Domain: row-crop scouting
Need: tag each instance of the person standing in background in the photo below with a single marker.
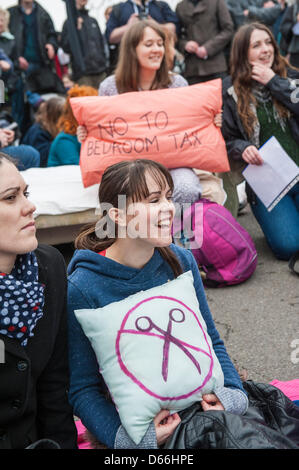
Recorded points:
(35, 49)
(34, 34)
(92, 45)
(289, 29)
(207, 29)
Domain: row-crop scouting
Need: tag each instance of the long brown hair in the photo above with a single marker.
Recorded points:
(50, 113)
(67, 121)
(127, 178)
(241, 69)
(127, 70)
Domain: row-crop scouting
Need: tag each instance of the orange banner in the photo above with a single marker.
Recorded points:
(173, 126)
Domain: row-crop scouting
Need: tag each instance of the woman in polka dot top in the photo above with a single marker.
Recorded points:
(34, 410)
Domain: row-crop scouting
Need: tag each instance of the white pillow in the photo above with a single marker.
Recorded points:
(154, 352)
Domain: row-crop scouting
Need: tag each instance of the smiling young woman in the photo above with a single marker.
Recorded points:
(34, 410)
(111, 268)
(258, 104)
(143, 64)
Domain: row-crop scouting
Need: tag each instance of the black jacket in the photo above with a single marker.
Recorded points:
(256, 12)
(9, 47)
(92, 45)
(34, 379)
(286, 28)
(271, 422)
(45, 31)
(284, 90)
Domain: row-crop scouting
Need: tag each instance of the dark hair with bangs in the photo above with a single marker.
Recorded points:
(127, 178)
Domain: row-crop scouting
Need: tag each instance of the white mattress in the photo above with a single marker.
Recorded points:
(59, 190)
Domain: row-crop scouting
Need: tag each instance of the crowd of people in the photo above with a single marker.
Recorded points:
(253, 47)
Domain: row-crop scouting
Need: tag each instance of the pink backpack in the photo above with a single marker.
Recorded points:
(223, 249)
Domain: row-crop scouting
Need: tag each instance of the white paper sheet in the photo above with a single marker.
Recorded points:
(275, 177)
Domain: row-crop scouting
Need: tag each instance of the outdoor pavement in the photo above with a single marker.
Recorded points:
(259, 319)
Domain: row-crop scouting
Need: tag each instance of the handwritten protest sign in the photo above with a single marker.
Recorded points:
(173, 126)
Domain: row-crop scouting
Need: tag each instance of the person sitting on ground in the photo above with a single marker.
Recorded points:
(65, 148)
(109, 267)
(258, 104)
(42, 133)
(143, 64)
(33, 327)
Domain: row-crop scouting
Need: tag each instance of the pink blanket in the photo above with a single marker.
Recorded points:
(290, 389)
(82, 444)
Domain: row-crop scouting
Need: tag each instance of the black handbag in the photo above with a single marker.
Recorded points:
(44, 80)
(271, 422)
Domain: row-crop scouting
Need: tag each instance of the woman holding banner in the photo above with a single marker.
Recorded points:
(143, 65)
(260, 101)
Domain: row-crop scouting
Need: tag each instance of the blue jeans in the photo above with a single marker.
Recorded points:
(25, 156)
(281, 225)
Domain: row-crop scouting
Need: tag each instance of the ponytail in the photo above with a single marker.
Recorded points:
(88, 240)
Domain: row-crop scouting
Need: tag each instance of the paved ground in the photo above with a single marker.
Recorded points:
(259, 319)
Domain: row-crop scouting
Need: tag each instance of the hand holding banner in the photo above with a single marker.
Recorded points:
(173, 126)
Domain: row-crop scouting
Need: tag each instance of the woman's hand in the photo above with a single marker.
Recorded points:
(165, 424)
(4, 65)
(23, 64)
(191, 47)
(50, 51)
(3, 139)
(218, 119)
(81, 133)
(261, 73)
(10, 134)
(202, 52)
(210, 403)
(251, 155)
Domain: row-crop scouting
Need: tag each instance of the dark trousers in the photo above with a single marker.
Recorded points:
(205, 78)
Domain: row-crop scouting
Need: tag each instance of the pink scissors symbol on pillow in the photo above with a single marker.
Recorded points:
(145, 324)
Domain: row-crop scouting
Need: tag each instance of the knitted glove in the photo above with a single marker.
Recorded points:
(123, 440)
(187, 188)
(233, 400)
